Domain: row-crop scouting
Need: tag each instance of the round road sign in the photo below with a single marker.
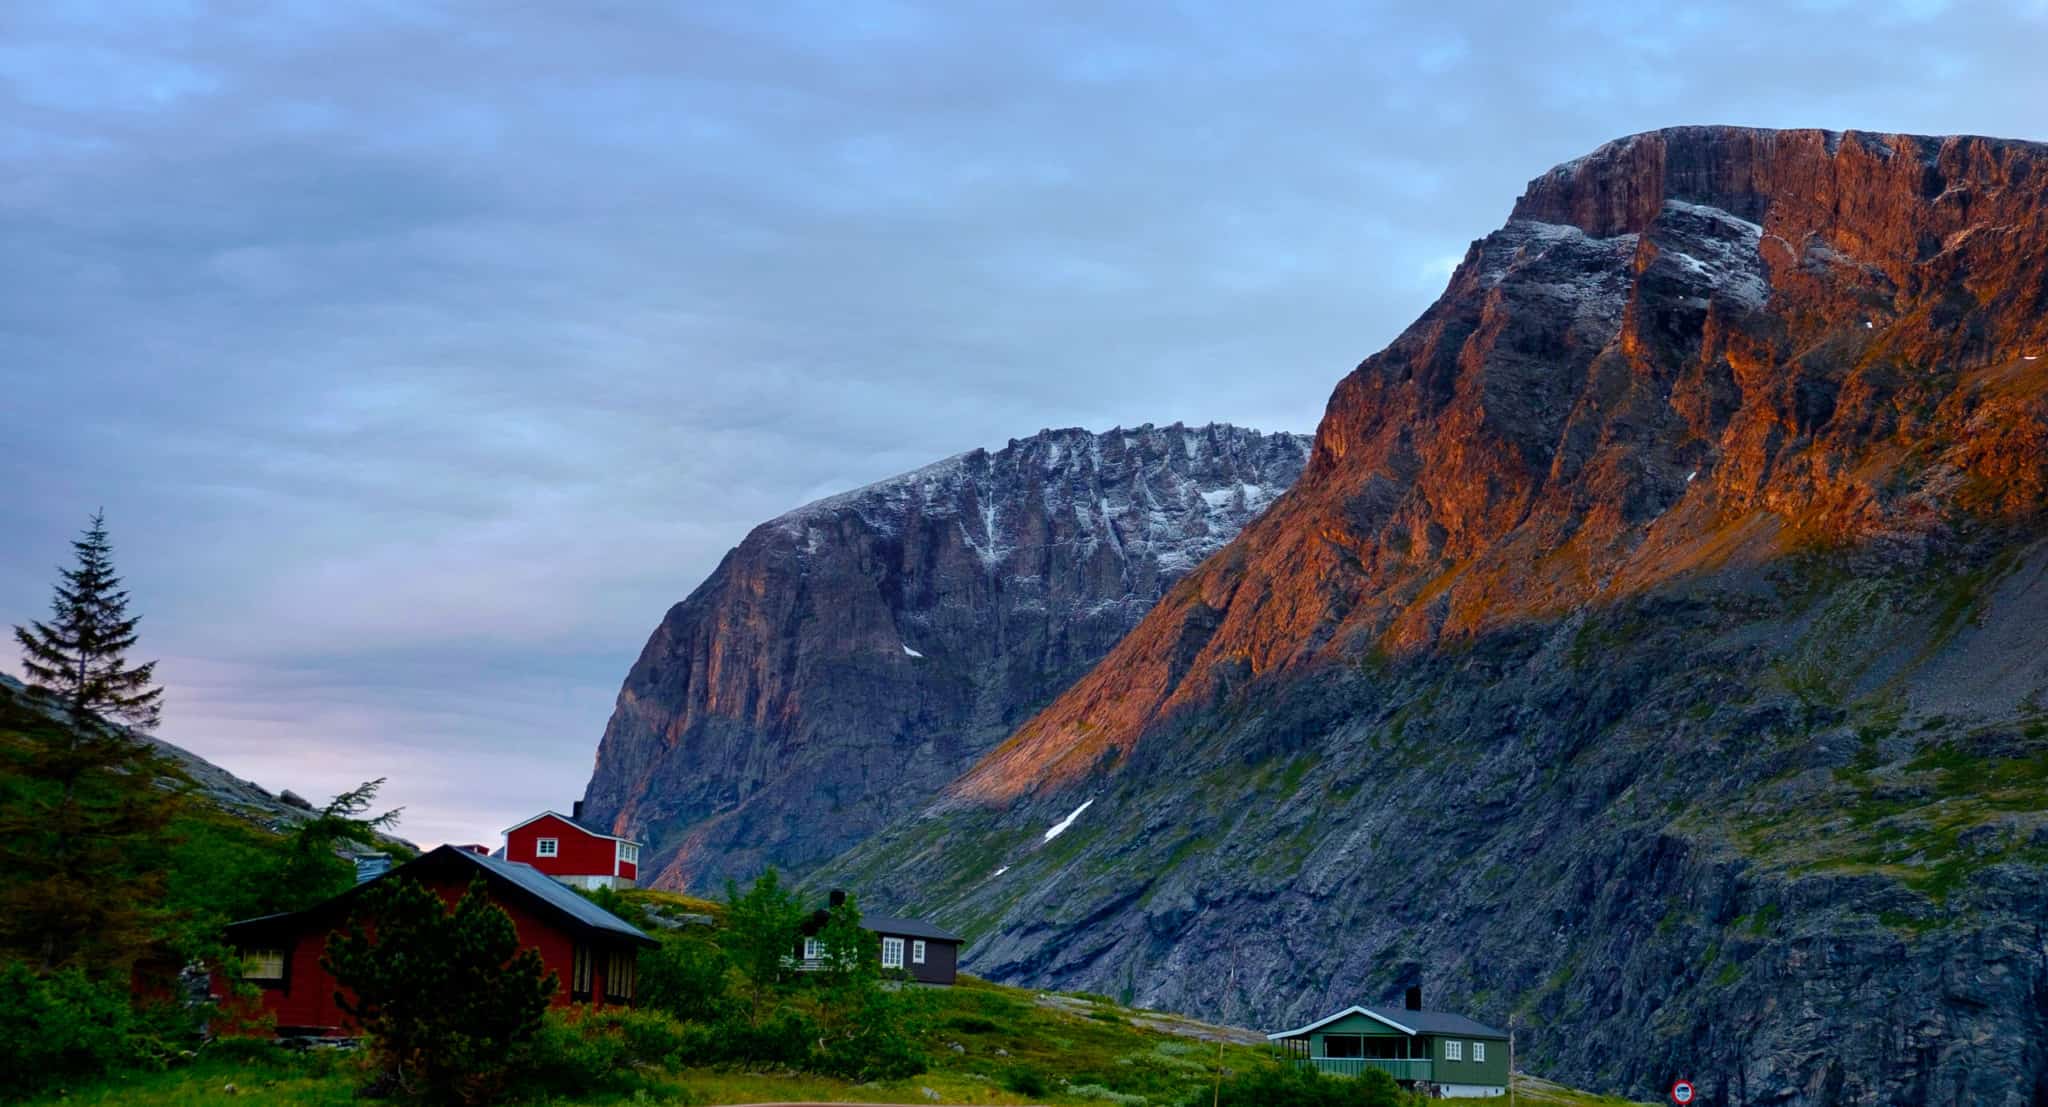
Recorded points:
(1681, 1092)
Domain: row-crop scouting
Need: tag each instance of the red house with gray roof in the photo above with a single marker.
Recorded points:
(593, 953)
(573, 851)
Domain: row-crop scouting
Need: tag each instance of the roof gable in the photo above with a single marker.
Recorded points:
(1404, 1020)
(573, 825)
(1345, 1013)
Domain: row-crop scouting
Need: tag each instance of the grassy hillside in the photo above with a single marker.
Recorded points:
(1082, 1050)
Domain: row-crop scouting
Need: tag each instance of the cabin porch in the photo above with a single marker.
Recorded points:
(1337, 1054)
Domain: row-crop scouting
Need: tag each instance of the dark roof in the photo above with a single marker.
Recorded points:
(552, 894)
(910, 928)
(1401, 1018)
(1437, 1022)
(555, 894)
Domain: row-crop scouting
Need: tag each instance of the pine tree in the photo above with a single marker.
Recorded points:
(445, 998)
(80, 656)
(311, 869)
(82, 827)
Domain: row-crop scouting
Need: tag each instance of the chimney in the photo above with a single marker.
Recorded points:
(576, 810)
(838, 898)
(1413, 1000)
(370, 866)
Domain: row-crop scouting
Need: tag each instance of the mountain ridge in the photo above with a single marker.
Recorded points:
(853, 654)
(1648, 658)
(1535, 445)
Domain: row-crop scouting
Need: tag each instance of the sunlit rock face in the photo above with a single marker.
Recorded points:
(851, 657)
(1687, 347)
(1653, 657)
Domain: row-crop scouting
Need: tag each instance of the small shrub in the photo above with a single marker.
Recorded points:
(611, 900)
(876, 1040)
(1097, 1091)
(1297, 1086)
(579, 1050)
(786, 1039)
(562, 1057)
(66, 1026)
(973, 1024)
(1024, 1080)
(687, 977)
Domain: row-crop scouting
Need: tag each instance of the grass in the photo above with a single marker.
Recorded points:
(314, 1081)
(1539, 1092)
(1074, 1044)
(1081, 1049)
(655, 900)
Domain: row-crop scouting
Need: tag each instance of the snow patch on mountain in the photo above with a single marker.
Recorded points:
(1060, 827)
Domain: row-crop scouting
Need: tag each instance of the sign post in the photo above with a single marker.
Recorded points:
(1682, 1093)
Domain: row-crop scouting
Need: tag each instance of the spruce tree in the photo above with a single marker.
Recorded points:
(80, 655)
(81, 829)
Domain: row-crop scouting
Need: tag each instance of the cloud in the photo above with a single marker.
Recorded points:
(422, 355)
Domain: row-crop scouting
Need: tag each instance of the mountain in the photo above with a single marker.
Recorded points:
(850, 658)
(1652, 657)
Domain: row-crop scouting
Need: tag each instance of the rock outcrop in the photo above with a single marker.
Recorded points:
(1652, 656)
(207, 782)
(850, 658)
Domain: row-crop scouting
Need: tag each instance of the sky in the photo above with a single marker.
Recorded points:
(421, 355)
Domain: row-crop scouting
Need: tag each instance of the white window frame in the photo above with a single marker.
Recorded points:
(814, 949)
(1454, 1050)
(256, 961)
(547, 847)
(892, 946)
(917, 952)
(629, 853)
(1478, 1051)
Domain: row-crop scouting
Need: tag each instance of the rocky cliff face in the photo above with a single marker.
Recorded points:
(1650, 657)
(850, 658)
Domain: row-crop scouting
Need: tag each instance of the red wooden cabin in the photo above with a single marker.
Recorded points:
(574, 852)
(592, 952)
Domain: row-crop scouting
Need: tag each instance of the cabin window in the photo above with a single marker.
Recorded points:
(1454, 1051)
(1479, 1051)
(544, 847)
(263, 963)
(618, 977)
(917, 952)
(892, 953)
(630, 854)
(1343, 1045)
(814, 950)
(579, 974)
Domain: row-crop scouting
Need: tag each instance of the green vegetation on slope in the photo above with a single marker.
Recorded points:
(1949, 807)
(1015, 1047)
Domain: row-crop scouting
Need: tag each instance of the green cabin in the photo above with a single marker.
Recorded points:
(1429, 1051)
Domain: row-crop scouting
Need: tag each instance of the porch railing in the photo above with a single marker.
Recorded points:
(1420, 1068)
